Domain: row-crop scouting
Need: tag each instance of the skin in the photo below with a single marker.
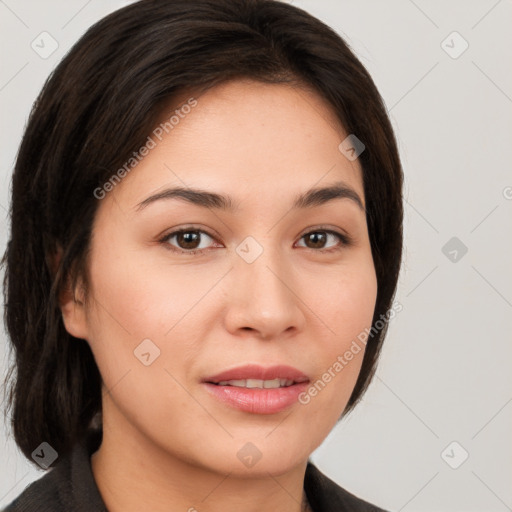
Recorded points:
(167, 444)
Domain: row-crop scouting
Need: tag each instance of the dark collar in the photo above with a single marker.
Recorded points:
(70, 485)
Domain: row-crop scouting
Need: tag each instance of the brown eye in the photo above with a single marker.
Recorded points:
(187, 240)
(316, 240)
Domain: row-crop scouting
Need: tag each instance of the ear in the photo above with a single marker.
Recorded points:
(72, 303)
(74, 312)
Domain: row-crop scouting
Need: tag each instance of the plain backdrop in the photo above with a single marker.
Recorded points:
(434, 430)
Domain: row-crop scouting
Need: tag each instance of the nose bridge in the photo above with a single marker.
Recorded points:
(264, 296)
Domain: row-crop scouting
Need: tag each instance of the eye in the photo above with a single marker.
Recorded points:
(189, 240)
(320, 236)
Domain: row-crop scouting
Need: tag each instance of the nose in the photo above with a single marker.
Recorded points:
(264, 295)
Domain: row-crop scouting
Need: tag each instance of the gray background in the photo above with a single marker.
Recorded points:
(445, 373)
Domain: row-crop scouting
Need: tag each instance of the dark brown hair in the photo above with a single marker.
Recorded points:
(96, 108)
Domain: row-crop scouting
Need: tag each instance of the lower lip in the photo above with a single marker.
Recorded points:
(257, 400)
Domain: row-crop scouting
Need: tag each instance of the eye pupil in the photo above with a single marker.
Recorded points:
(184, 238)
(317, 236)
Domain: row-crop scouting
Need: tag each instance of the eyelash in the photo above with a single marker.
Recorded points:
(345, 240)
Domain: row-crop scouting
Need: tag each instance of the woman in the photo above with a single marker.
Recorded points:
(206, 240)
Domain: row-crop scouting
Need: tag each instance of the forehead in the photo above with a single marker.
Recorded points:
(247, 139)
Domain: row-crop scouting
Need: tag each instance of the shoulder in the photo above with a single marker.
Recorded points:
(68, 486)
(41, 495)
(325, 495)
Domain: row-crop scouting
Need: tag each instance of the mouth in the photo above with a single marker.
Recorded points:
(253, 375)
(257, 383)
(257, 389)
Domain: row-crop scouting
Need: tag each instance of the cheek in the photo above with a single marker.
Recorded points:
(134, 295)
(136, 318)
(346, 309)
(123, 310)
(345, 300)
(137, 298)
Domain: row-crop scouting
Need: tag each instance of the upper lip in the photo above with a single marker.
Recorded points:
(254, 371)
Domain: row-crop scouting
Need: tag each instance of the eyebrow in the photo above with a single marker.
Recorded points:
(309, 199)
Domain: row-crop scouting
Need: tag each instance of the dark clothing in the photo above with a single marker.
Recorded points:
(70, 487)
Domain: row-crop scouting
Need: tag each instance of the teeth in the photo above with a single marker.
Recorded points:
(257, 383)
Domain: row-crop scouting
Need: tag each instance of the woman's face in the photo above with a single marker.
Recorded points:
(162, 320)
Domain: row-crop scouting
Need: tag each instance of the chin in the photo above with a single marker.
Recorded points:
(257, 457)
